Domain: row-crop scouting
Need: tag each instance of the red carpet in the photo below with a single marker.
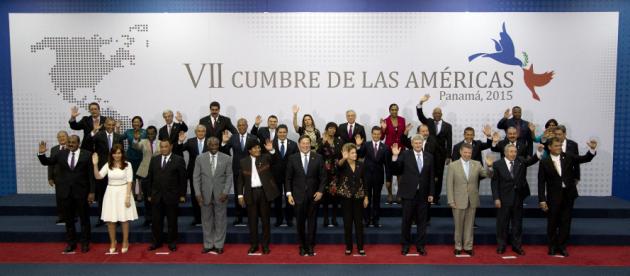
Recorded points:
(327, 254)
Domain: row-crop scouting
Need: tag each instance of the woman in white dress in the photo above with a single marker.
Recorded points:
(117, 203)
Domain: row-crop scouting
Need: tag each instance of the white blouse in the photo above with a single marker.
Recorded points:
(117, 176)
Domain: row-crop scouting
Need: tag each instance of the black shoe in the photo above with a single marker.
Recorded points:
(206, 250)
(421, 251)
(218, 250)
(59, 222)
(99, 223)
(334, 223)
(85, 248)
(501, 250)
(146, 223)
(311, 251)
(348, 252)
(564, 252)
(252, 249)
(404, 250)
(470, 252)
(153, 247)
(195, 223)
(377, 224)
(70, 248)
(238, 222)
(172, 247)
(278, 224)
(518, 251)
(361, 252)
(266, 250)
(326, 223)
(551, 252)
(302, 251)
(457, 252)
(475, 226)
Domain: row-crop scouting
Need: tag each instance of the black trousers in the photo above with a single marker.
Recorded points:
(510, 216)
(281, 212)
(148, 209)
(329, 200)
(306, 215)
(99, 189)
(374, 184)
(194, 203)
(414, 209)
(239, 211)
(352, 215)
(161, 209)
(559, 222)
(71, 207)
(259, 208)
(59, 206)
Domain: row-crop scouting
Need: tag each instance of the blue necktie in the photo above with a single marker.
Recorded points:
(109, 141)
(199, 146)
(242, 143)
(305, 164)
(419, 161)
(282, 149)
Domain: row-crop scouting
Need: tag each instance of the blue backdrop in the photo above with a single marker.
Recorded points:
(621, 163)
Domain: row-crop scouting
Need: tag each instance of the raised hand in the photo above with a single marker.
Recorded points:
(117, 124)
(383, 125)
(344, 155)
(540, 147)
(42, 147)
(487, 130)
(496, 137)
(74, 112)
(592, 144)
(395, 149)
(226, 136)
(489, 160)
(548, 133)
(532, 127)
(268, 145)
(507, 113)
(97, 126)
(94, 159)
(424, 98)
(181, 137)
(296, 109)
(358, 140)
(258, 120)
(408, 128)
(178, 117)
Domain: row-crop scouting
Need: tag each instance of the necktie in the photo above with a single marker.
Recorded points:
(419, 161)
(72, 161)
(168, 127)
(151, 146)
(163, 161)
(242, 142)
(437, 127)
(109, 141)
(350, 132)
(512, 168)
(213, 121)
(282, 149)
(375, 149)
(199, 146)
(305, 163)
(212, 164)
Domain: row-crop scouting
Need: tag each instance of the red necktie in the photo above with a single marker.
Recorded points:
(350, 132)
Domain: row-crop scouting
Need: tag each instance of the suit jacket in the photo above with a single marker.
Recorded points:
(444, 138)
(462, 190)
(101, 146)
(263, 167)
(193, 151)
(147, 153)
(525, 135)
(413, 180)
(75, 183)
(279, 168)
(572, 147)
(87, 125)
(351, 183)
(511, 190)
(342, 132)
(168, 183)
(174, 137)
(477, 146)
(211, 186)
(550, 182)
(377, 165)
(53, 170)
(262, 133)
(430, 146)
(237, 154)
(521, 148)
(221, 125)
(303, 186)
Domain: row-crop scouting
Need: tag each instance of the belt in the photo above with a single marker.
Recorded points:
(257, 188)
(117, 185)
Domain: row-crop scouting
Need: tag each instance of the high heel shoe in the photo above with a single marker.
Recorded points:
(124, 249)
(112, 250)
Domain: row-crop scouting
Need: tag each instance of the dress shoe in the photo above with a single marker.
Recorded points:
(348, 252)
(238, 222)
(475, 226)
(146, 223)
(404, 250)
(218, 250)
(470, 252)
(361, 252)
(172, 247)
(500, 250)
(551, 252)
(195, 223)
(302, 251)
(518, 251)
(206, 250)
(99, 223)
(421, 251)
(311, 251)
(334, 223)
(252, 249)
(153, 247)
(564, 252)
(289, 223)
(457, 252)
(85, 248)
(266, 250)
(59, 222)
(278, 224)
(69, 248)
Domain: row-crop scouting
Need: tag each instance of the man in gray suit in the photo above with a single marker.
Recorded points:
(212, 180)
(463, 195)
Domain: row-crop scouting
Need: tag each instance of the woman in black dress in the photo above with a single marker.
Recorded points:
(329, 146)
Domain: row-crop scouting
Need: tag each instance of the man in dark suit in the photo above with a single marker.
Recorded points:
(376, 157)
(87, 123)
(284, 148)
(167, 188)
(237, 143)
(416, 190)
(557, 191)
(429, 145)
(257, 189)
(62, 139)
(194, 146)
(170, 131)
(350, 129)
(75, 188)
(569, 146)
(511, 138)
(509, 189)
(216, 124)
(265, 133)
(523, 128)
(443, 133)
(103, 140)
(304, 186)
(477, 145)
